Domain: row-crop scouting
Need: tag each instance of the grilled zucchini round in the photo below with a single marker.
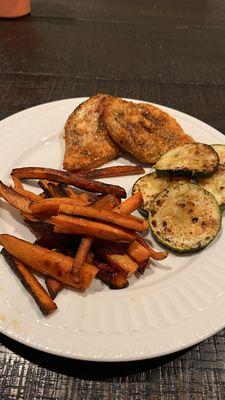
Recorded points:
(194, 160)
(185, 217)
(215, 184)
(220, 149)
(150, 185)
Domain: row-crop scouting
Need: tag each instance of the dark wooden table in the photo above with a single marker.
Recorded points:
(165, 51)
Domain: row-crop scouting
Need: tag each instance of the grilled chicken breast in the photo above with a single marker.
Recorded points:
(88, 144)
(142, 130)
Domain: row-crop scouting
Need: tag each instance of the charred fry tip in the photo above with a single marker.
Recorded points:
(30, 282)
(53, 286)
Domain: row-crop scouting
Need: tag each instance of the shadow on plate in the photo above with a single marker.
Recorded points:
(85, 369)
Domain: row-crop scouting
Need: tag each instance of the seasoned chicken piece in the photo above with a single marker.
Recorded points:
(88, 144)
(142, 130)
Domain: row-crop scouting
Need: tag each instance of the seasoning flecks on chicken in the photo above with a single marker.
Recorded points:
(88, 144)
(142, 130)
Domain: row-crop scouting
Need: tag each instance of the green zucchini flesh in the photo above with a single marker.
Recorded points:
(220, 149)
(215, 184)
(150, 185)
(193, 160)
(185, 217)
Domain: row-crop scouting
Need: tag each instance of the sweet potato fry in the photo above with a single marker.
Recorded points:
(129, 222)
(29, 195)
(108, 275)
(49, 262)
(70, 192)
(17, 183)
(56, 189)
(81, 254)
(109, 172)
(90, 257)
(111, 247)
(156, 255)
(43, 183)
(131, 204)
(84, 197)
(142, 267)
(138, 252)
(29, 217)
(61, 242)
(40, 228)
(18, 187)
(79, 226)
(53, 286)
(86, 275)
(113, 281)
(121, 262)
(108, 202)
(51, 206)
(135, 250)
(14, 199)
(87, 242)
(52, 189)
(43, 195)
(30, 282)
(68, 178)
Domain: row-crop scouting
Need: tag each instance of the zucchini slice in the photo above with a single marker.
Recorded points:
(220, 149)
(150, 185)
(193, 159)
(215, 184)
(185, 217)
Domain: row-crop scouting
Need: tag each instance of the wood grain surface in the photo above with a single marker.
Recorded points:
(165, 51)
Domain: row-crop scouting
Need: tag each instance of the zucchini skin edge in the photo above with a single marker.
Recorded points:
(185, 172)
(182, 251)
(143, 212)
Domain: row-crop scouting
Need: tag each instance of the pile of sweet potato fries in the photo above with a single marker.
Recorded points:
(80, 235)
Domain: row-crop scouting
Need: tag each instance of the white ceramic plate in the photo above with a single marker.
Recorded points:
(177, 303)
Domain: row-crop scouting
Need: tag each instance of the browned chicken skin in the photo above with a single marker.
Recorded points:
(142, 130)
(88, 144)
